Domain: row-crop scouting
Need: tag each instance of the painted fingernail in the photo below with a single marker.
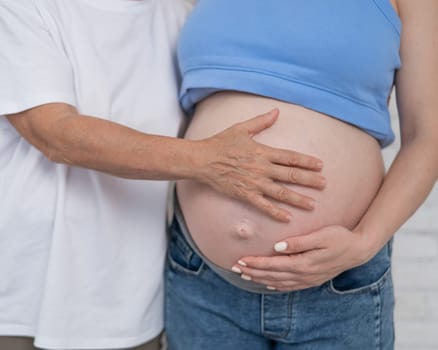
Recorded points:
(236, 269)
(242, 263)
(280, 246)
(246, 277)
(271, 288)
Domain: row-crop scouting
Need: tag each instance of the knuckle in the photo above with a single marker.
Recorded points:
(294, 246)
(283, 194)
(293, 158)
(239, 192)
(258, 172)
(259, 150)
(293, 175)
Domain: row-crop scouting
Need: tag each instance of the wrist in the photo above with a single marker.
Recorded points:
(368, 245)
(195, 160)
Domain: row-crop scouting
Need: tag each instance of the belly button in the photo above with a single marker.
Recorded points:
(243, 231)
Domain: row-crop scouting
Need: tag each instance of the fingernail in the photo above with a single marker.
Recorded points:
(280, 246)
(271, 288)
(246, 277)
(323, 181)
(311, 204)
(242, 263)
(319, 164)
(236, 269)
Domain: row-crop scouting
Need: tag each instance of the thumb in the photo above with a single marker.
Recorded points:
(299, 244)
(255, 125)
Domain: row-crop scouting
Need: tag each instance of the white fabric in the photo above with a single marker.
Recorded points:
(81, 252)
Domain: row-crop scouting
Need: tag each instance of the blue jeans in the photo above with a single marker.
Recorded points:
(353, 311)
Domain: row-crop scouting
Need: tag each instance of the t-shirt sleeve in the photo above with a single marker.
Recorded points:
(33, 69)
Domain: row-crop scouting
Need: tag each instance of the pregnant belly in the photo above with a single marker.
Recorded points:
(225, 229)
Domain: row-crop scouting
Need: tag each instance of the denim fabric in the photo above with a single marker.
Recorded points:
(353, 311)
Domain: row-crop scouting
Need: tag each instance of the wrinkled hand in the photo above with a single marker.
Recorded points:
(234, 164)
(309, 260)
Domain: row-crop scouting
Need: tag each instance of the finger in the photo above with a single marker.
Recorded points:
(273, 276)
(281, 263)
(288, 286)
(258, 124)
(298, 176)
(285, 195)
(299, 244)
(269, 208)
(292, 158)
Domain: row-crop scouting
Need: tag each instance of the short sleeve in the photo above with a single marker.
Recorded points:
(33, 70)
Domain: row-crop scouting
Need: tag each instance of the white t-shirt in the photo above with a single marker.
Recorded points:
(82, 252)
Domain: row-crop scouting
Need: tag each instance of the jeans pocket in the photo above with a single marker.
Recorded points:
(180, 255)
(364, 278)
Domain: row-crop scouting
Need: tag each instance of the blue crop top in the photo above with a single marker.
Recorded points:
(337, 57)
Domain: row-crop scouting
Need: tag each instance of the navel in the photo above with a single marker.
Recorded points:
(243, 230)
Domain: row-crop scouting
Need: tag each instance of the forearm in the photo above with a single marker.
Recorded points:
(231, 162)
(113, 148)
(406, 185)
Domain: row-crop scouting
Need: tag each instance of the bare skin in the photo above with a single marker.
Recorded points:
(319, 256)
(231, 162)
(225, 230)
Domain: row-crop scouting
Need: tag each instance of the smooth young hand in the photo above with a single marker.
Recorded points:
(309, 260)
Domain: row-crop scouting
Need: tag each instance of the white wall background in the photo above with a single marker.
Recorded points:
(415, 269)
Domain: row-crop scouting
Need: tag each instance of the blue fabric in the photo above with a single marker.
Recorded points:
(205, 312)
(337, 57)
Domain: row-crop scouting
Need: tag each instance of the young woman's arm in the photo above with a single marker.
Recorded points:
(231, 162)
(313, 259)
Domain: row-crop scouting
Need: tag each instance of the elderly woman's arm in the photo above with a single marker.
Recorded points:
(319, 256)
(231, 162)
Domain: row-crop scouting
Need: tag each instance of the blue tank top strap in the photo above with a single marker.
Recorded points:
(390, 13)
